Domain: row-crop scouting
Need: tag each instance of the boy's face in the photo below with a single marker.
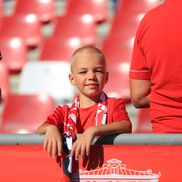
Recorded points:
(88, 74)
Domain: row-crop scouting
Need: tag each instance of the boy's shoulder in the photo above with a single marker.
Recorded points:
(115, 101)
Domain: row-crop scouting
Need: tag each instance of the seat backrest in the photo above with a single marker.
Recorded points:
(49, 77)
(14, 53)
(82, 26)
(23, 113)
(44, 10)
(26, 27)
(98, 9)
(59, 49)
(4, 81)
(137, 6)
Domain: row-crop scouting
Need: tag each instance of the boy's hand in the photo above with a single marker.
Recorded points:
(82, 144)
(52, 141)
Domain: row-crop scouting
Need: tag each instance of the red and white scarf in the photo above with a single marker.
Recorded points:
(70, 130)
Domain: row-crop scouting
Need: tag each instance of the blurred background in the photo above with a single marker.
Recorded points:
(37, 39)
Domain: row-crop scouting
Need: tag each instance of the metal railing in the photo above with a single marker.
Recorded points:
(121, 139)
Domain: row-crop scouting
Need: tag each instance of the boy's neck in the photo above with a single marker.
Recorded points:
(87, 102)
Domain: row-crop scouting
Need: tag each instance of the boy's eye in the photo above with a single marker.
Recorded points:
(82, 72)
(100, 71)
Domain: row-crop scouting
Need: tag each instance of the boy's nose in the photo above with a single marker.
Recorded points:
(91, 75)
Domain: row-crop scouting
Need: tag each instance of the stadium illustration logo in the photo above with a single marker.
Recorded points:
(115, 171)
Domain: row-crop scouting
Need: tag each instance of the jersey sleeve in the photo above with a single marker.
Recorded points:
(57, 118)
(118, 110)
(138, 67)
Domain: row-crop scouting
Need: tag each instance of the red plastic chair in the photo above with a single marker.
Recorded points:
(57, 49)
(117, 50)
(81, 26)
(26, 27)
(1, 10)
(24, 113)
(4, 81)
(118, 84)
(97, 8)
(118, 55)
(124, 25)
(136, 7)
(43, 9)
(143, 124)
(14, 54)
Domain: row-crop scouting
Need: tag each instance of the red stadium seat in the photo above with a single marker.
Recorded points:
(81, 26)
(57, 49)
(136, 7)
(1, 10)
(143, 124)
(24, 113)
(14, 54)
(43, 9)
(118, 55)
(123, 25)
(4, 81)
(118, 84)
(117, 49)
(97, 8)
(26, 27)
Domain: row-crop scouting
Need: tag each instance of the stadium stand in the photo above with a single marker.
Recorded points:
(136, 7)
(14, 54)
(26, 27)
(58, 49)
(81, 26)
(44, 10)
(4, 81)
(1, 10)
(23, 113)
(98, 9)
(113, 32)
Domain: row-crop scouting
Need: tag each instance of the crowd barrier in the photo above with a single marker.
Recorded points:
(117, 158)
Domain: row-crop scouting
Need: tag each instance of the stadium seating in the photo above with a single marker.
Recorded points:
(136, 7)
(118, 84)
(4, 81)
(58, 49)
(26, 27)
(23, 113)
(143, 124)
(43, 9)
(47, 77)
(14, 53)
(117, 50)
(81, 26)
(123, 25)
(1, 10)
(98, 9)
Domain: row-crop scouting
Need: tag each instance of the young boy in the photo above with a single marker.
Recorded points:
(92, 113)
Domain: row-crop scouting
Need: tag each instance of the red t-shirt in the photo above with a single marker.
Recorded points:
(116, 112)
(157, 56)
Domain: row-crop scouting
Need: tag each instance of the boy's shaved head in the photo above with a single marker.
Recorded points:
(86, 50)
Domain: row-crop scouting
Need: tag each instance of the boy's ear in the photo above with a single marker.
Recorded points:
(71, 78)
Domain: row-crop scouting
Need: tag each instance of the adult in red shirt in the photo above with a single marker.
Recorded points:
(156, 67)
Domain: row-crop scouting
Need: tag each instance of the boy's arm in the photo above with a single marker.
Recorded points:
(52, 139)
(82, 144)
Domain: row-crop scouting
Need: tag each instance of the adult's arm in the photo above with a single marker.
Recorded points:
(140, 92)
